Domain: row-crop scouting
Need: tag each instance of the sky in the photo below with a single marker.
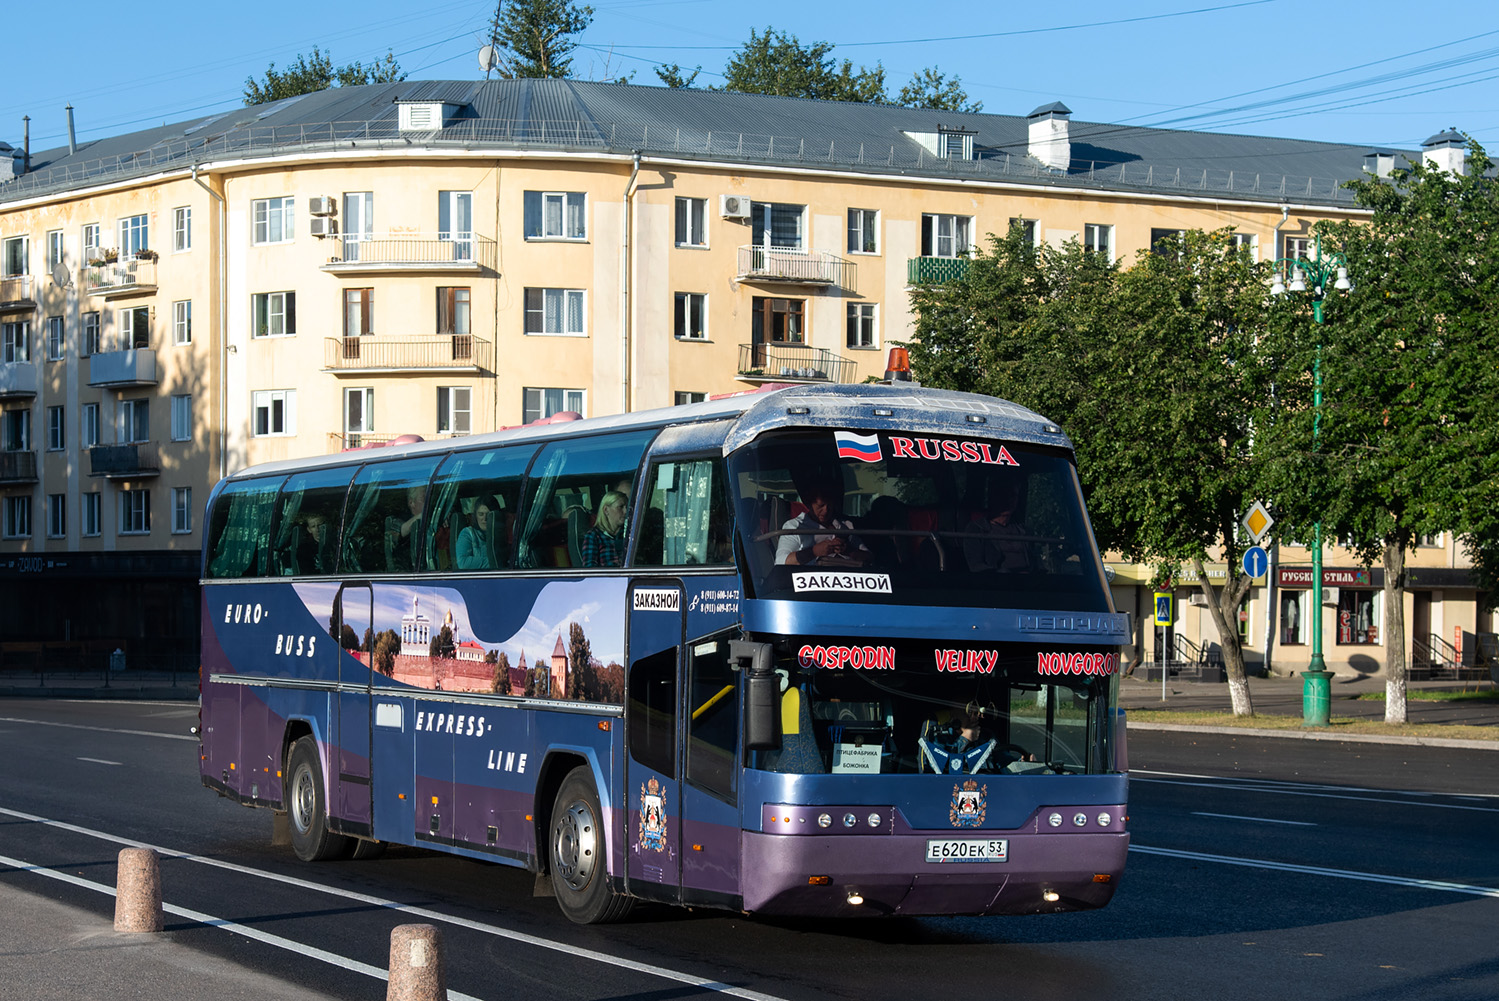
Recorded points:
(1377, 73)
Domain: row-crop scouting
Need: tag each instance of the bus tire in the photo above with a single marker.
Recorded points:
(307, 806)
(366, 849)
(580, 873)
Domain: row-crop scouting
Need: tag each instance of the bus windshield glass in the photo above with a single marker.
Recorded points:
(901, 519)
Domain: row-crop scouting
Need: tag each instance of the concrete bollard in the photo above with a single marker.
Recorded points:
(416, 964)
(138, 891)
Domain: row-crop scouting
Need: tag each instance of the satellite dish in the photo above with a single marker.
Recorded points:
(488, 58)
(61, 276)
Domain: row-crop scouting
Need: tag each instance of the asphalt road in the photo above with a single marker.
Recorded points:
(1259, 869)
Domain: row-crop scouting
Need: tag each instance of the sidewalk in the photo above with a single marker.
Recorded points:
(152, 686)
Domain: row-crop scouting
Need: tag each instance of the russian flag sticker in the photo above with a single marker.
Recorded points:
(864, 447)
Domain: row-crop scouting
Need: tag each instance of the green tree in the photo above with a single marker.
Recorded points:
(387, 645)
(777, 63)
(534, 37)
(931, 88)
(501, 664)
(317, 72)
(673, 77)
(442, 644)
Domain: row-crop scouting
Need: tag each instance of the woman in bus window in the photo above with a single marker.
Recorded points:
(604, 545)
(473, 541)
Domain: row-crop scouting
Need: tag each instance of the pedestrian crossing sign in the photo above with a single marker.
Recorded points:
(1163, 608)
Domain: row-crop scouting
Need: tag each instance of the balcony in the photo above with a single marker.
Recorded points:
(17, 380)
(117, 279)
(339, 441)
(405, 355)
(124, 462)
(17, 467)
(123, 369)
(17, 294)
(935, 270)
(457, 253)
(761, 363)
(790, 266)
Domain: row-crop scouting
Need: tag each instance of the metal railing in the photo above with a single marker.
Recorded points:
(338, 441)
(18, 467)
(16, 291)
(905, 156)
(443, 250)
(790, 264)
(121, 276)
(123, 369)
(118, 462)
(436, 352)
(793, 363)
(935, 270)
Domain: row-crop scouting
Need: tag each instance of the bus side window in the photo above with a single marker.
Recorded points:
(470, 488)
(568, 481)
(239, 529)
(686, 521)
(308, 518)
(384, 523)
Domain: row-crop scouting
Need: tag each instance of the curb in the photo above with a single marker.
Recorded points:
(1356, 738)
(178, 694)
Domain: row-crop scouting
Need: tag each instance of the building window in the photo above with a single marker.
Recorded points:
(861, 329)
(56, 340)
(692, 224)
(57, 516)
(15, 256)
(358, 224)
(15, 430)
(1358, 618)
(274, 220)
(182, 321)
(182, 417)
(273, 314)
(91, 328)
(273, 413)
(15, 341)
(135, 236)
(1249, 241)
(776, 321)
(945, 235)
(182, 510)
(359, 312)
(90, 240)
(1029, 231)
(90, 513)
(454, 311)
(555, 215)
(135, 421)
(539, 403)
(1099, 239)
(182, 228)
(863, 231)
(1293, 618)
(359, 414)
(54, 249)
(135, 512)
(684, 398)
(1297, 246)
(1172, 238)
(454, 409)
(778, 225)
(135, 328)
(56, 440)
(692, 316)
(90, 429)
(1429, 541)
(18, 516)
(554, 311)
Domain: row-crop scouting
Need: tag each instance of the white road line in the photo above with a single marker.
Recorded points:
(332, 959)
(1313, 870)
(567, 949)
(101, 761)
(1257, 820)
(1284, 783)
(1243, 786)
(99, 729)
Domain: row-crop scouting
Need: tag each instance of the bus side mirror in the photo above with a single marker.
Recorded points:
(762, 691)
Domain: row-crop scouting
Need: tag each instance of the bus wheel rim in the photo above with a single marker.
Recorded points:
(577, 845)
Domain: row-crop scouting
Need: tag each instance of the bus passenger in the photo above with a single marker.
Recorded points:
(1005, 548)
(604, 545)
(403, 548)
(312, 554)
(815, 543)
(473, 541)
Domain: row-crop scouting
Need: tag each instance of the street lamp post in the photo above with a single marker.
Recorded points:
(1314, 273)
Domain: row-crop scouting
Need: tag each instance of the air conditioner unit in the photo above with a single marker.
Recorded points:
(734, 206)
(323, 226)
(322, 205)
(1330, 596)
(1198, 598)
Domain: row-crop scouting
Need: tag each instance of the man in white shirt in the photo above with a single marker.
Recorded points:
(823, 537)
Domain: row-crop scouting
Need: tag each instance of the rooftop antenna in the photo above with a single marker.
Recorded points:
(72, 136)
(488, 59)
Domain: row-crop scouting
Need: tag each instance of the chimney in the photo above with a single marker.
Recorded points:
(1446, 151)
(72, 136)
(1380, 162)
(1049, 140)
(26, 146)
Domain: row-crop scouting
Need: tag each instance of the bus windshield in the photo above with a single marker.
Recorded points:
(902, 519)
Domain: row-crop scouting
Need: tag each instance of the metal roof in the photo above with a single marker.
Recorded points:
(719, 127)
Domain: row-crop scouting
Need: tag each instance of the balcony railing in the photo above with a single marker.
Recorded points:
(17, 467)
(16, 293)
(338, 441)
(791, 266)
(124, 462)
(17, 380)
(792, 363)
(433, 353)
(119, 278)
(935, 270)
(123, 369)
(452, 252)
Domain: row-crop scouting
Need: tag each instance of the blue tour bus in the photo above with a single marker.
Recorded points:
(850, 652)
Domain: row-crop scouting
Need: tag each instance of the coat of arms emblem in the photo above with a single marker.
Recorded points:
(652, 816)
(968, 804)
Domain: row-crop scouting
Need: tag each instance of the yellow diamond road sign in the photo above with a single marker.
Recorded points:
(1258, 521)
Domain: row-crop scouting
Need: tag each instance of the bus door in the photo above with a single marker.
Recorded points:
(652, 797)
(349, 757)
(710, 793)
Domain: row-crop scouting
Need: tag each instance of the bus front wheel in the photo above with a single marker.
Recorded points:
(580, 875)
(307, 805)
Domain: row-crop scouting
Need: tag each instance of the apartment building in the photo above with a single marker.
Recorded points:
(446, 258)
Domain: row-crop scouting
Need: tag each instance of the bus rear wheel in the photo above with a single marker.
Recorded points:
(580, 875)
(307, 806)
